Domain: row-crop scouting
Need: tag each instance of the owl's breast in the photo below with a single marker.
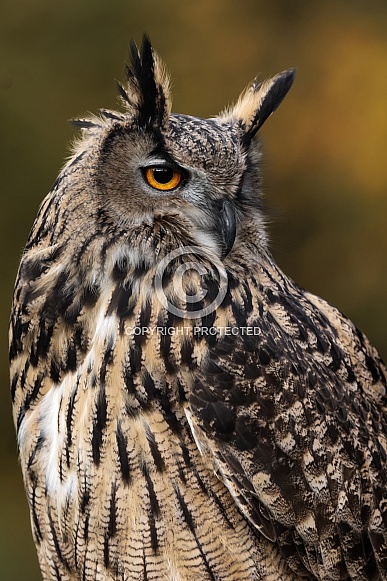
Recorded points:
(116, 494)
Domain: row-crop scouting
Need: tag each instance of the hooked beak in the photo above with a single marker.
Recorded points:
(226, 224)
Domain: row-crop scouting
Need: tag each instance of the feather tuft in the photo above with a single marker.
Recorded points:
(147, 92)
(258, 102)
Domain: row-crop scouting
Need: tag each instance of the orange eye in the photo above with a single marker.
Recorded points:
(162, 178)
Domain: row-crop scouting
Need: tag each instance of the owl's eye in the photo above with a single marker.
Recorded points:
(162, 178)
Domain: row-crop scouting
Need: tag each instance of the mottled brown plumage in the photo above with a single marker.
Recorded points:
(219, 423)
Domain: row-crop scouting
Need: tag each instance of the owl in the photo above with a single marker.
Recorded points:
(184, 410)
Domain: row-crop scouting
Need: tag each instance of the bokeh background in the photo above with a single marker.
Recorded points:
(325, 164)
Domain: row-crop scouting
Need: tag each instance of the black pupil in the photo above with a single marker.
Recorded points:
(163, 175)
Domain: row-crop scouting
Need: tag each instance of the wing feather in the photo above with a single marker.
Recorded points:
(295, 424)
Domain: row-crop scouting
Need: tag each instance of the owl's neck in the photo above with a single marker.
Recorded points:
(154, 288)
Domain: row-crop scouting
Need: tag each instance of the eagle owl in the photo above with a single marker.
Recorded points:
(183, 409)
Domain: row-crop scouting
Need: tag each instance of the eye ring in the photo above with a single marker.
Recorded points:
(162, 178)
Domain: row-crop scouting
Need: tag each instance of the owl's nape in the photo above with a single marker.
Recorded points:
(183, 409)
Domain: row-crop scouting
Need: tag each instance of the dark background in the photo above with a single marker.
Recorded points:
(325, 148)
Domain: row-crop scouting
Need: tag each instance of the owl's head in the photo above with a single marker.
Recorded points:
(150, 166)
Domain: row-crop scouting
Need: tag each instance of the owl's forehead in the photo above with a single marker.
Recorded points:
(205, 142)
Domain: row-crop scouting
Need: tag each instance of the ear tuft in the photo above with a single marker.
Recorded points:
(147, 93)
(258, 102)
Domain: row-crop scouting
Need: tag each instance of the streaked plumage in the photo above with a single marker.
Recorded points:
(255, 452)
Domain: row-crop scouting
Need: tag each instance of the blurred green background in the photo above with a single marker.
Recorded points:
(325, 163)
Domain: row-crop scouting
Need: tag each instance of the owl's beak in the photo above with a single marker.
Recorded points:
(226, 222)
